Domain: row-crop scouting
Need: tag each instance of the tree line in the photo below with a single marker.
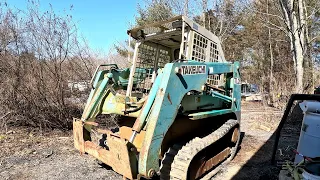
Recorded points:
(276, 41)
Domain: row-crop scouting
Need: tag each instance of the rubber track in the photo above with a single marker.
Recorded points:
(183, 158)
(167, 160)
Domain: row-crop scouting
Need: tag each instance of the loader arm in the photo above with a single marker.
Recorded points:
(104, 88)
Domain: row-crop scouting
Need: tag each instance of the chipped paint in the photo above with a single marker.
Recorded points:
(169, 98)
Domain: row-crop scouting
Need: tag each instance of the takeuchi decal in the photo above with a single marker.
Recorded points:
(193, 69)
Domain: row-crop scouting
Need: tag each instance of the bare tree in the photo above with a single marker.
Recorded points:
(295, 17)
(271, 94)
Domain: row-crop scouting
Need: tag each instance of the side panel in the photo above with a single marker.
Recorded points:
(195, 102)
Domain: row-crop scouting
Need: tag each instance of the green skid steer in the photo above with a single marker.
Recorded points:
(178, 105)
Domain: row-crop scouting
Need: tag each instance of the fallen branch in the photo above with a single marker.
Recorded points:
(6, 115)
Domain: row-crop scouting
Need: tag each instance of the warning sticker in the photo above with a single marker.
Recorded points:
(193, 69)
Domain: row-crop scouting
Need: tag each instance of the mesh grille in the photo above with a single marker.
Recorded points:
(145, 66)
(199, 48)
(164, 58)
(204, 50)
(214, 53)
(214, 80)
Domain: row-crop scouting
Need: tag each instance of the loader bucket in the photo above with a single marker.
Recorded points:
(120, 155)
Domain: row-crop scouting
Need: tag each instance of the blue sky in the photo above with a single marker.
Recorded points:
(101, 22)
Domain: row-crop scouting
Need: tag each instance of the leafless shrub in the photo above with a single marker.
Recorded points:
(39, 53)
(121, 61)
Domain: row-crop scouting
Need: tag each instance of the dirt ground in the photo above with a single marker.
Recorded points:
(253, 160)
(29, 154)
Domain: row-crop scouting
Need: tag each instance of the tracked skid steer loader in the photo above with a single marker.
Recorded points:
(178, 105)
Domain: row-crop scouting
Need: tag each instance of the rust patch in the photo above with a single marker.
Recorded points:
(161, 91)
(103, 131)
(78, 135)
(235, 135)
(126, 132)
(209, 164)
(119, 156)
(91, 123)
(121, 159)
(169, 98)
